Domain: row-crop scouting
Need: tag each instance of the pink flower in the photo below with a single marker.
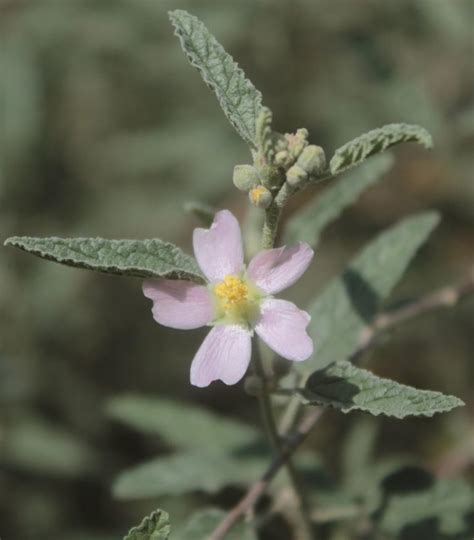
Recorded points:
(236, 302)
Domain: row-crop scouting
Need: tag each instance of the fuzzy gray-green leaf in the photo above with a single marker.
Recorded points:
(156, 526)
(237, 96)
(37, 446)
(375, 141)
(448, 503)
(179, 424)
(350, 302)
(137, 258)
(308, 225)
(347, 387)
(185, 472)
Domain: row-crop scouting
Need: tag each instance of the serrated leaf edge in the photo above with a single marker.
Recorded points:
(240, 127)
(147, 520)
(364, 144)
(138, 272)
(325, 402)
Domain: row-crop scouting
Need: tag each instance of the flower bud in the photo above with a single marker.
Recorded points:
(296, 176)
(253, 385)
(312, 160)
(297, 142)
(280, 142)
(245, 177)
(270, 176)
(281, 158)
(260, 197)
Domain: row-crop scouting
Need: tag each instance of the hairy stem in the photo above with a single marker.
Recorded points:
(272, 216)
(270, 227)
(274, 437)
(445, 297)
(265, 403)
(255, 491)
(273, 212)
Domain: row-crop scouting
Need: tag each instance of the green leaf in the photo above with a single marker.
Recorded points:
(237, 96)
(186, 472)
(307, 225)
(375, 141)
(203, 523)
(350, 302)
(183, 425)
(358, 449)
(137, 258)
(203, 212)
(156, 526)
(37, 446)
(405, 501)
(264, 137)
(347, 387)
(441, 509)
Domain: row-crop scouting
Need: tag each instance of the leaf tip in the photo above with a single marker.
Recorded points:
(14, 241)
(175, 13)
(432, 218)
(457, 402)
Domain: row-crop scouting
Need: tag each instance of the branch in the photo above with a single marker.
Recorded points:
(443, 298)
(273, 435)
(255, 491)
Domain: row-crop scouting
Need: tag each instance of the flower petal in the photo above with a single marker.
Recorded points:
(282, 326)
(218, 250)
(179, 304)
(276, 269)
(224, 354)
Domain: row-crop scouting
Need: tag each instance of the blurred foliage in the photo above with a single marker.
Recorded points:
(107, 131)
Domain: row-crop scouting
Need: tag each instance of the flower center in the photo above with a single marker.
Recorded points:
(232, 293)
(236, 301)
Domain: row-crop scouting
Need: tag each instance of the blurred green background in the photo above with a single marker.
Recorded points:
(107, 131)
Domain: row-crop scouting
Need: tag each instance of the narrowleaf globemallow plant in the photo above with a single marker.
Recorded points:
(323, 341)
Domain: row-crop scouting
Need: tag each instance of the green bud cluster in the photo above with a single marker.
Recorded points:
(258, 181)
(310, 163)
(279, 158)
(296, 143)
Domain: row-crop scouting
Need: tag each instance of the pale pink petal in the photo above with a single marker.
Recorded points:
(218, 250)
(179, 304)
(282, 326)
(224, 355)
(276, 269)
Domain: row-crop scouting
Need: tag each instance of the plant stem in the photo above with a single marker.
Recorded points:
(270, 424)
(293, 407)
(255, 491)
(272, 216)
(265, 403)
(444, 297)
